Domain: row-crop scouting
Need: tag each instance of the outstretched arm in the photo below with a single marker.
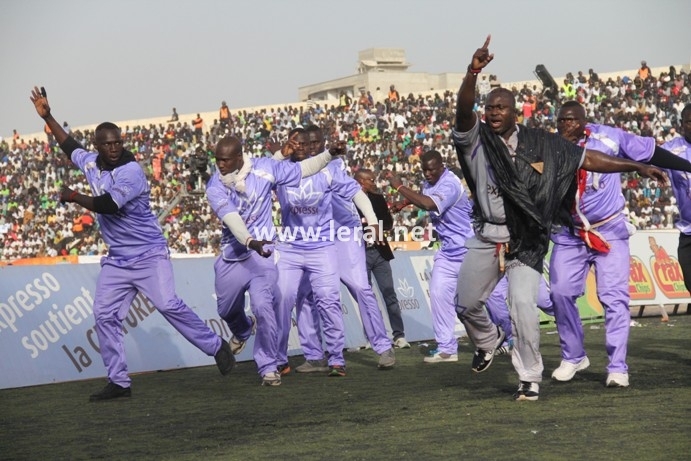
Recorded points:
(465, 117)
(665, 159)
(601, 163)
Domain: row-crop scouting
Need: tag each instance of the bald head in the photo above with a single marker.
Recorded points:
(228, 155)
(366, 178)
(229, 143)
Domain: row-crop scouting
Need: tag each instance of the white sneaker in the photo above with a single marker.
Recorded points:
(272, 378)
(438, 357)
(502, 350)
(237, 345)
(401, 343)
(617, 380)
(387, 359)
(567, 370)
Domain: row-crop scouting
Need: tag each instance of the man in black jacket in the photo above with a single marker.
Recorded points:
(378, 256)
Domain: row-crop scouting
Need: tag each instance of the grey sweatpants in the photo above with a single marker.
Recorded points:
(478, 276)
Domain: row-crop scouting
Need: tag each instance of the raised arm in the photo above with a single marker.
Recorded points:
(67, 143)
(38, 97)
(465, 117)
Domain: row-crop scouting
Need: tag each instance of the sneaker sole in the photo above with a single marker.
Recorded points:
(614, 384)
(223, 367)
(440, 360)
(526, 398)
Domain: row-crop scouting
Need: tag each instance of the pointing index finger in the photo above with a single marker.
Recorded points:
(487, 40)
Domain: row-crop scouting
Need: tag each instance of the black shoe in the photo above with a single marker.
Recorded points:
(482, 358)
(225, 360)
(111, 391)
(527, 391)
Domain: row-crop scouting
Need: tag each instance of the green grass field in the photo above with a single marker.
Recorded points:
(416, 411)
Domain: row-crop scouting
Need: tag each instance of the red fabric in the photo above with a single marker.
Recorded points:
(594, 241)
(592, 238)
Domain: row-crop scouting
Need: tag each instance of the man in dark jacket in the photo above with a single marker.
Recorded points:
(378, 256)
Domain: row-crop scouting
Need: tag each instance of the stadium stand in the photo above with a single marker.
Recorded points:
(383, 136)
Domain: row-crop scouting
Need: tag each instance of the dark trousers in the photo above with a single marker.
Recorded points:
(381, 269)
(684, 256)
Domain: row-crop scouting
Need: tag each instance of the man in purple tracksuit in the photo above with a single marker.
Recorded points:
(307, 247)
(352, 271)
(681, 186)
(240, 195)
(138, 258)
(601, 240)
(445, 198)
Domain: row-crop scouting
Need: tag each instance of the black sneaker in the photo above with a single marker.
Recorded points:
(225, 360)
(111, 391)
(482, 358)
(527, 391)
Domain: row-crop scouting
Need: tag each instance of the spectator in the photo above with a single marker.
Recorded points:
(644, 71)
(224, 115)
(613, 101)
(393, 94)
(198, 123)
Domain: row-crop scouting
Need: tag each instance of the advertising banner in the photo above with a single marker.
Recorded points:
(47, 326)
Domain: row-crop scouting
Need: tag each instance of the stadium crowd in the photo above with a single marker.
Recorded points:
(386, 134)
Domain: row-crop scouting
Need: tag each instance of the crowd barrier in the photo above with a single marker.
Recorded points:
(47, 329)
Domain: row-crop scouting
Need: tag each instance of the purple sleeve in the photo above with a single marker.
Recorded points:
(286, 173)
(638, 148)
(445, 195)
(342, 184)
(219, 197)
(81, 157)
